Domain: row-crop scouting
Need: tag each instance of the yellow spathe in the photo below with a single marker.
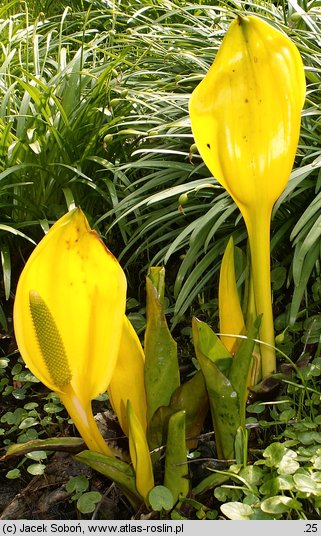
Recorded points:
(246, 112)
(68, 317)
(245, 117)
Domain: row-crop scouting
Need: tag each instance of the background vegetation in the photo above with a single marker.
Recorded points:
(93, 112)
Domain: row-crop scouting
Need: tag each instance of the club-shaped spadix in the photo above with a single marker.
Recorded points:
(68, 317)
(245, 117)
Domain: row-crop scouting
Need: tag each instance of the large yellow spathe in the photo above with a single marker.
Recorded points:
(68, 317)
(245, 117)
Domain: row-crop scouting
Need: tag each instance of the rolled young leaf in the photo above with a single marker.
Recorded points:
(230, 312)
(127, 381)
(139, 454)
(68, 317)
(245, 117)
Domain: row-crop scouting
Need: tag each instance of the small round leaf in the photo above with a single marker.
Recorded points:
(161, 498)
(86, 504)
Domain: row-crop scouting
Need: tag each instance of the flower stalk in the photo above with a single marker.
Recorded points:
(245, 117)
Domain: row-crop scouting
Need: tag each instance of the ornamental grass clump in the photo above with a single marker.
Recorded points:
(245, 117)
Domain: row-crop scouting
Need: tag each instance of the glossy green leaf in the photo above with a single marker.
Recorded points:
(64, 444)
(240, 367)
(223, 398)
(117, 470)
(237, 510)
(279, 504)
(193, 399)
(210, 482)
(176, 468)
(306, 484)
(161, 365)
(212, 346)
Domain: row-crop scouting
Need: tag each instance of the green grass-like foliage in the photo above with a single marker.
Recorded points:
(93, 112)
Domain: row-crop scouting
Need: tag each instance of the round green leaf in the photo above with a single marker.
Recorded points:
(161, 498)
(77, 484)
(36, 469)
(279, 504)
(14, 473)
(305, 483)
(37, 455)
(86, 504)
(31, 405)
(28, 422)
(288, 465)
(237, 510)
(50, 407)
(252, 474)
(274, 454)
(28, 435)
(317, 462)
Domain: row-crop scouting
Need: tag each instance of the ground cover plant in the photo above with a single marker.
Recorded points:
(94, 113)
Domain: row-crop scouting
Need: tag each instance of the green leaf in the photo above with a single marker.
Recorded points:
(211, 346)
(223, 398)
(161, 364)
(77, 484)
(116, 470)
(307, 484)
(288, 465)
(87, 502)
(36, 469)
(6, 269)
(279, 504)
(176, 468)
(37, 455)
(210, 482)
(306, 266)
(240, 367)
(274, 454)
(240, 445)
(193, 399)
(161, 498)
(237, 510)
(252, 474)
(65, 444)
(13, 473)
(27, 422)
(190, 397)
(279, 483)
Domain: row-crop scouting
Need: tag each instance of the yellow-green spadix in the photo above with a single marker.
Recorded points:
(245, 117)
(68, 318)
